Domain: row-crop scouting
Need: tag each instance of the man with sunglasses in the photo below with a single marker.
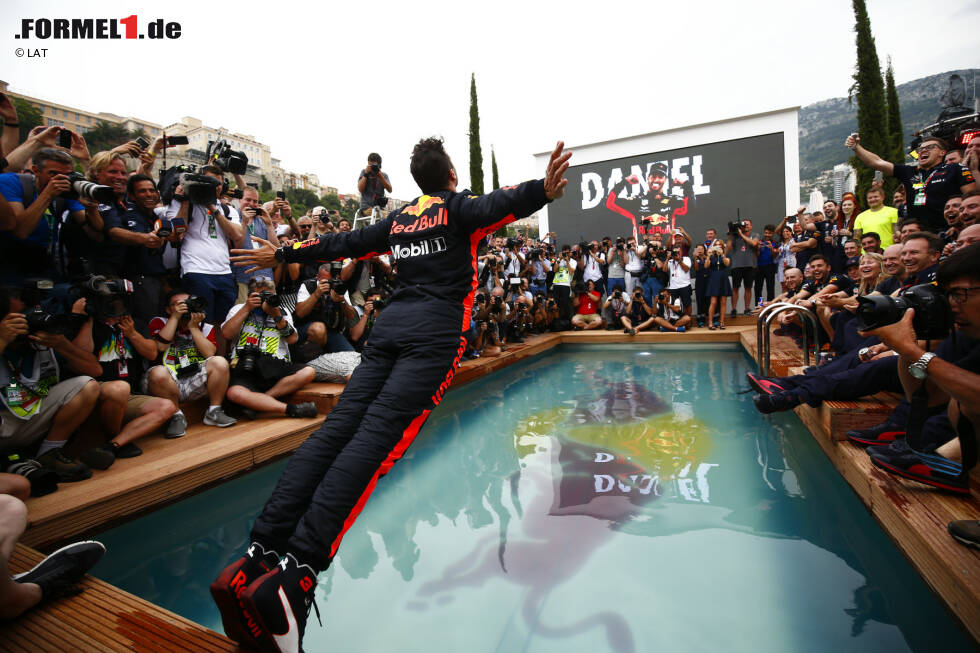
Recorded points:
(927, 185)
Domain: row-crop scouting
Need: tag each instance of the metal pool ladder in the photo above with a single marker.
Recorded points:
(762, 334)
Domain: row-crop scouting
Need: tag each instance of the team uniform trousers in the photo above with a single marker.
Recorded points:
(413, 351)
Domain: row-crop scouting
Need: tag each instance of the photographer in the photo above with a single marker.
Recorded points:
(586, 302)
(616, 260)
(360, 275)
(679, 285)
(43, 403)
(373, 305)
(322, 312)
(668, 314)
(949, 377)
(927, 185)
(634, 266)
(743, 246)
(32, 246)
(136, 229)
(109, 332)
(536, 270)
(518, 321)
(211, 229)
(590, 263)
(701, 272)
(371, 184)
(766, 269)
(561, 282)
(187, 368)
(639, 315)
(719, 288)
(614, 309)
(255, 222)
(517, 289)
(262, 370)
(320, 222)
(544, 312)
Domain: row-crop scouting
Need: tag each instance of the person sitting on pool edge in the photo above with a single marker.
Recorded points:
(406, 367)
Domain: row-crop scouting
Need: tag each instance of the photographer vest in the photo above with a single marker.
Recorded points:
(24, 390)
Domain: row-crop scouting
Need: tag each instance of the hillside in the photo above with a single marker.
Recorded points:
(824, 125)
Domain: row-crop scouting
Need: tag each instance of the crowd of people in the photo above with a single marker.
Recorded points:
(901, 315)
(119, 300)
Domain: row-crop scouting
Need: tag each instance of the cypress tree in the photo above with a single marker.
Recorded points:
(493, 169)
(870, 91)
(476, 154)
(896, 136)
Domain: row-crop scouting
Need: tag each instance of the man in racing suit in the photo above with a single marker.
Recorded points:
(406, 367)
(656, 208)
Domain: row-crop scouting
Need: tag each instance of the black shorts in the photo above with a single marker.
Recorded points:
(264, 375)
(743, 275)
(684, 293)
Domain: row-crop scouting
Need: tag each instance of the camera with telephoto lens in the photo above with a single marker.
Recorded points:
(617, 294)
(248, 356)
(933, 318)
(43, 480)
(338, 286)
(662, 254)
(82, 187)
(535, 253)
(497, 300)
(39, 319)
(227, 159)
(375, 168)
(379, 304)
(270, 298)
(104, 298)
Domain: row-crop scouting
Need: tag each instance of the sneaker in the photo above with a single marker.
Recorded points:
(876, 436)
(305, 409)
(929, 469)
(280, 601)
(43, 481)
(966, 532)
(68, 469)
(128, 450)
(101, 457)
(681, 329)
(764, 385)
(227, 592)
(776, 402)
(58, 574)
(176, 427)
(217, 417)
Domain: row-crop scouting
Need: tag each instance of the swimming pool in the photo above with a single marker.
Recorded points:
(618, 497)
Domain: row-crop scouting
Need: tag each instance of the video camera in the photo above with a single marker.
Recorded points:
(105, 298)
(220, 153)
(735, 227)
(933, 318)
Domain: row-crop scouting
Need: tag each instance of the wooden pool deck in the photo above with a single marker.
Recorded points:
(106, 618)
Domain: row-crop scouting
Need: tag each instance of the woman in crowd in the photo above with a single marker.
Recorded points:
(719, 287)
(849, 210)
(700, 262)
(838, 308)
(785, 258)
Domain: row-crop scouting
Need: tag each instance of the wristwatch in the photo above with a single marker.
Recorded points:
(918, 368)
(281, 254)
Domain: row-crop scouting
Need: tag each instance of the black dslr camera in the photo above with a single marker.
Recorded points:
(194, 304)
(270, 298)
(40, 320)
(248, 356)
(933, 318)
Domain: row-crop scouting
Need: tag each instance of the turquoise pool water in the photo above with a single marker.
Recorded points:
(615, 498)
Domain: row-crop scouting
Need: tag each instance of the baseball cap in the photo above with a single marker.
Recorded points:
(854, 260)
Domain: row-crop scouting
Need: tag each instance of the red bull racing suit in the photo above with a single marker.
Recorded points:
(406, 367)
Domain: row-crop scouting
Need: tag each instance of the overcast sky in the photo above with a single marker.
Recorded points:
(324, 85)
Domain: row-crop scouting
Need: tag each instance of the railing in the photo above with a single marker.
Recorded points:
(370, 219)
(762, 334)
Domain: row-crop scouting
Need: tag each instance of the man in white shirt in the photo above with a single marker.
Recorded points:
(679, 285)
(592, 260)
(212, 227)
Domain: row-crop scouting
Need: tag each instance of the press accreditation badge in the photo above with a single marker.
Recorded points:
(14, 394)
(123, 368)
